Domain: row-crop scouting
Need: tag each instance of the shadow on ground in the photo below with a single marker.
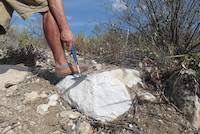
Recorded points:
(47, 75)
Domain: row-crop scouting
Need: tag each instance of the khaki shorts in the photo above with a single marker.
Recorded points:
(24, 8)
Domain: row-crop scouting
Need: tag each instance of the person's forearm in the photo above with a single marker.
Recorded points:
(57, 9)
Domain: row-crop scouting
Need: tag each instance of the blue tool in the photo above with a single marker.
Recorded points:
(73, 53)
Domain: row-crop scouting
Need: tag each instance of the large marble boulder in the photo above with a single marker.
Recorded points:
(103, 96)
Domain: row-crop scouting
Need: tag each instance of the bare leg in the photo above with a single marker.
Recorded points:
(52, 35)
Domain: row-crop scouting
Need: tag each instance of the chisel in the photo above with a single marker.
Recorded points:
(73, 53)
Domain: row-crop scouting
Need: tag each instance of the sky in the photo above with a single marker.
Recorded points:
(82, 15)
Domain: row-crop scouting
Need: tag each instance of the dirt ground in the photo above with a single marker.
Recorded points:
(19, 115)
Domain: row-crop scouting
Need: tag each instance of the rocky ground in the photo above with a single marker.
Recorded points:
(30, 104)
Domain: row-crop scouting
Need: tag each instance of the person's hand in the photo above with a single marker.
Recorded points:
(67, 38)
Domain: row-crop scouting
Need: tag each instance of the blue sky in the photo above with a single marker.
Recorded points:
(82, 15)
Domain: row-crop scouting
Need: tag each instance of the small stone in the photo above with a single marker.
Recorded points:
(28, 77)
(94, 62)
(11, 91)
(73, 127)
(38, 63)
(48, 60)
(43, 109)
(31, 96)
(130, 125)
(67, 124)
(12, 74)
(53, 97)
(84, 128)
(98, 66)
(53, 100)
(140, 64)
(32, 123)
(43, 95)
(161, 121)
(81, 58)
(169, 109)
(130, 115)
(37, 80)
(70, 114)
(148, 69)
(146, 96)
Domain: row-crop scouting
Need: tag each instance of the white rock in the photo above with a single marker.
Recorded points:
(42, 109)
(53, 100)
(101, 96)
(70, 114)
(93, 62)
(12, 74)
(129, 77)
(31, 96)
(53, 97)
(146, 96)
(130, 125)
(37, 80)
(52, 103)
(48, 60)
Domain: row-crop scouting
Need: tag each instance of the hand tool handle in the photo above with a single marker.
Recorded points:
(74, 54)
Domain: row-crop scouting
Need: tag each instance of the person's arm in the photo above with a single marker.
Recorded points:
(57, 9)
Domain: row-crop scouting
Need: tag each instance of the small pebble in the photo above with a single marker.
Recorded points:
(130, 125)
(43, 109)
(31, 96)
(70, 114)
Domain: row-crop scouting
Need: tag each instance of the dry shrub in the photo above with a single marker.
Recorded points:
(28, 55)
(115, 46)
(26, 48)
